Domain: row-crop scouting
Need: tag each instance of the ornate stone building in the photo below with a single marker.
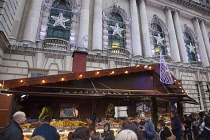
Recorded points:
(48, 37)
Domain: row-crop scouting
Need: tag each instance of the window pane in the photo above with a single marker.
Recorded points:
(158, 46)
(191, 51)
(115, 40)
(58, 7)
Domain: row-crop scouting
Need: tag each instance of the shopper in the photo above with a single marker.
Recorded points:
(126, 134)
(195, 126)
(108, 134)
(13, 131)
(146, 128)
(201, 123)
(132, 126)
(176, 126)
(205, 135)
(46, 130)
(93, 134)
(164, 130)
(81, 133)
(187, 125)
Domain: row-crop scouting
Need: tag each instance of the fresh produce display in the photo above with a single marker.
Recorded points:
(64, 123)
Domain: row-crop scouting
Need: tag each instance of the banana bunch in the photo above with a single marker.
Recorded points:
(78, 123)
(67, 123)
(57, 124)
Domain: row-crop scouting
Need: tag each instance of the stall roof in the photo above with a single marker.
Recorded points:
(128, 82)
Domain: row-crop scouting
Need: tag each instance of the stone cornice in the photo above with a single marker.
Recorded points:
(200, 7)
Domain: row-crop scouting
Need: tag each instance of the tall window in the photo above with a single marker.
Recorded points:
(198, 88)
(208, 92)
(158, 39)
(190, 46)
(116, 31)
(59, 20)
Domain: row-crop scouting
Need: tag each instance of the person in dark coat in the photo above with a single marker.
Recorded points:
(176, 126)
(108, 134)
(205, 134)
(46, 130)
(146, 128)
(13, 131)
(132, 126)
(81, 133)
(164, 130)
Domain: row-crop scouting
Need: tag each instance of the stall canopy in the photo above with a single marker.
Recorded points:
(128, 82)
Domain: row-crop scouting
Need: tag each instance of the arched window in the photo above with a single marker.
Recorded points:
(59, 20)
(158, 40)
(116, 31)
(190, 46)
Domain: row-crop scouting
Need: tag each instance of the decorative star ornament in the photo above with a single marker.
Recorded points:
(192, 48)
(117, 30)
(159, 39)
(60, 20)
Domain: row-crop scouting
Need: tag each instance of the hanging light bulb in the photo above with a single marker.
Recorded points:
(62, 79)
(112, 72)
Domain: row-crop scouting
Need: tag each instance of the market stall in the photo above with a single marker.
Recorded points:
(85, 96)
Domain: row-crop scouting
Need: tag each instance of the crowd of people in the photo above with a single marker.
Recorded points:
(194, 127)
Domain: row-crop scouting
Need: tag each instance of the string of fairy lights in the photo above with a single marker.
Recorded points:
(45, 80)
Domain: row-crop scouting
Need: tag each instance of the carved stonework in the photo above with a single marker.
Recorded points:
(46, 6)
(196, 64)
(157, 20)
(196, 5)
(190, 32)
(119, 10)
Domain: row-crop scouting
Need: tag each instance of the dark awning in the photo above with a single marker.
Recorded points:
(129, 82)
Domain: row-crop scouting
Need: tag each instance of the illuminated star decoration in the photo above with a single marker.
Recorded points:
(60, 20)
(117, 30)
(159, 39)
(191, 48)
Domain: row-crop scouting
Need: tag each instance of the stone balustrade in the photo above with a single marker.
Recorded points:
(118, 52)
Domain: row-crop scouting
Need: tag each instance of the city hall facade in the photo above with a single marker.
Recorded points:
(50, 37)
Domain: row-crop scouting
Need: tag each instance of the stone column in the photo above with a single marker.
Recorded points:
(32, 22)
(136, 38)
(97, 26)
(205, 38)
(202, 49)
(172, 37)
(180, 38)
(84, 21)
(17, 20)
(145, 30)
